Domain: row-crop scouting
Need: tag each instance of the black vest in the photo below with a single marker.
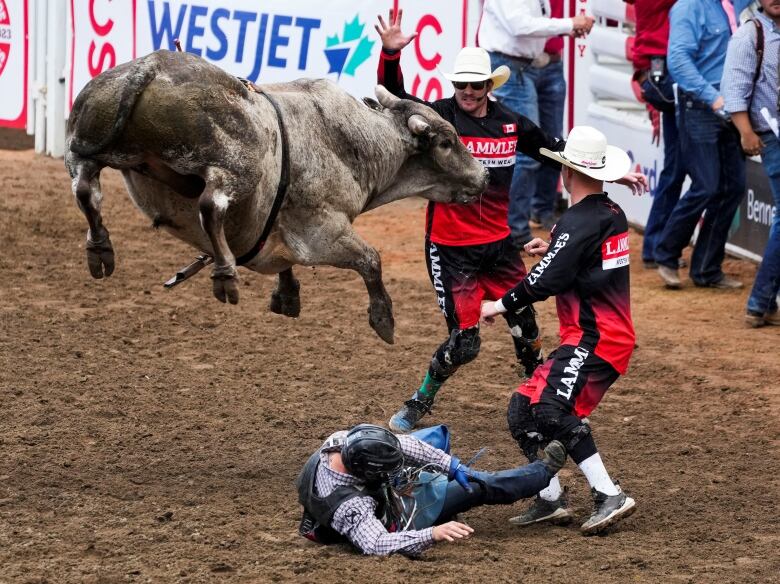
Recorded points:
(318, 511)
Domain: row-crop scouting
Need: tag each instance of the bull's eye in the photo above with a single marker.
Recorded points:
(445, 144)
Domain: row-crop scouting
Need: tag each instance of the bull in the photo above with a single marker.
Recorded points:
(267, 178)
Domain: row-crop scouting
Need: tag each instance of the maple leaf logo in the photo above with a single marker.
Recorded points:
(347, 53)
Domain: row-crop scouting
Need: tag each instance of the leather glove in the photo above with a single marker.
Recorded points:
(459, 473)
(655, 119)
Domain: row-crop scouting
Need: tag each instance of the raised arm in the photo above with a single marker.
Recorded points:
(394, 40)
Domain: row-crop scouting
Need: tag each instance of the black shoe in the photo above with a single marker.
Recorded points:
(543, 511)
(405, 419)
(608, 510)
(554, 456)
(725, 283)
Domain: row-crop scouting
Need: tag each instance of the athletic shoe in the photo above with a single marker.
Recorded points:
(543, 511)
(757, 319)
(554, 456)
(405, 419)
(608, 510)
(670, 277)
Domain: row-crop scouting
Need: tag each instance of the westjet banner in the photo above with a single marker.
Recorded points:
(270, 41)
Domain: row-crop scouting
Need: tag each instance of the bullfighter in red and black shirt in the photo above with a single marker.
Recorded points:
(586, 267)
(469, 252)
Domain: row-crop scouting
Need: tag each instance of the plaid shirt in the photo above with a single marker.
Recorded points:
(740, 69)
(355, 518)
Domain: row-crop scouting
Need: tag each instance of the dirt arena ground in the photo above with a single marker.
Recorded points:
(150, 435)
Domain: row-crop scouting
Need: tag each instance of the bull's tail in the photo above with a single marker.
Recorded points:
(136, 81)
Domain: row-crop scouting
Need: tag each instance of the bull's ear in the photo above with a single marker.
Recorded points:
(418, 125)
(372, 103)
(386, 98)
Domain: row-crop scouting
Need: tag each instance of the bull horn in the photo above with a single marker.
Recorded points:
(386, 98)
(418, 125)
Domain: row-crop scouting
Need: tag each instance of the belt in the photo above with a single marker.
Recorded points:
(524, 60)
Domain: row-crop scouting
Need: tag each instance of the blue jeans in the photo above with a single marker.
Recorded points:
(495, 488)
(522, 94)
(763, 296)
(667, 192)
(551, 95)
(715, 162)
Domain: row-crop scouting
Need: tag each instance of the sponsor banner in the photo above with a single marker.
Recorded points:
(614, 252)
(269, 41)
(753, 220)
(13, 63)
(102, 36)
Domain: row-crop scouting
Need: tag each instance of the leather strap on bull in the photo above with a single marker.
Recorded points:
(284, 180)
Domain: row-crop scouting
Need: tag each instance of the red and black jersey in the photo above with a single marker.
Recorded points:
(586, 269)
(493, 140)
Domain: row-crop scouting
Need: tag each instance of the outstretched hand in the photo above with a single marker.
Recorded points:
(392, 37)
(451, 531)
(636, 181)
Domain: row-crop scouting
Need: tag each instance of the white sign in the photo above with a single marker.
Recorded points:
(269, 42)
(13, 63)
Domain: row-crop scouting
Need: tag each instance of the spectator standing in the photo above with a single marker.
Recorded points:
(657, 86)
(516, 33)
(699, 35)
(750, 86)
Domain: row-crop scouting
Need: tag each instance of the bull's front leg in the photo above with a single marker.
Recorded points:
(346, 249)
(85, 175)
(213, 205)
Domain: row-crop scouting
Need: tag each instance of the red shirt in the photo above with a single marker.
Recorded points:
(555, 44)
(652, 30)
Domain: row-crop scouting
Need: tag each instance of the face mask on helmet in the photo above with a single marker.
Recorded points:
(372, 453)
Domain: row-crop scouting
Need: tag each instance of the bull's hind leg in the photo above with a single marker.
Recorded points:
(85, 182)
(345, 249)
(213, 205)
(286, 299)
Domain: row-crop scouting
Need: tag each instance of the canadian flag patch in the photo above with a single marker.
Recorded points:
(509, 128)
(614, 252)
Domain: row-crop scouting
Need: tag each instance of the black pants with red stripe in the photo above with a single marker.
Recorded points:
(564, 389)
(464, 276)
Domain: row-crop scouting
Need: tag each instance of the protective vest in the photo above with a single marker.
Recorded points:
(318, 511)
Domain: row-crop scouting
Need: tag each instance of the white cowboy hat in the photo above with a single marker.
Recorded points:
(473, 64)
(586, 151)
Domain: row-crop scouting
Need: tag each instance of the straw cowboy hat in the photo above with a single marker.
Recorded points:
(586, 151)
(473, 64)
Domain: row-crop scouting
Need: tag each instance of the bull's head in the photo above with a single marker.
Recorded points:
(440, 167)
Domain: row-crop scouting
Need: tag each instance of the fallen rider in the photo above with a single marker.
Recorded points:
(387, 493)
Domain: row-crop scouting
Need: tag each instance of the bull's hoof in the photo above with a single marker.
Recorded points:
(285, 304)
(384, 325)
(225, 288)
(100, 258)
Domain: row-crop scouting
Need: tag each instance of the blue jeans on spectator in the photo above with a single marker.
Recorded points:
(520, 94)
(667, 191)
(763, 296)
(714, 160)
(551, 95)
